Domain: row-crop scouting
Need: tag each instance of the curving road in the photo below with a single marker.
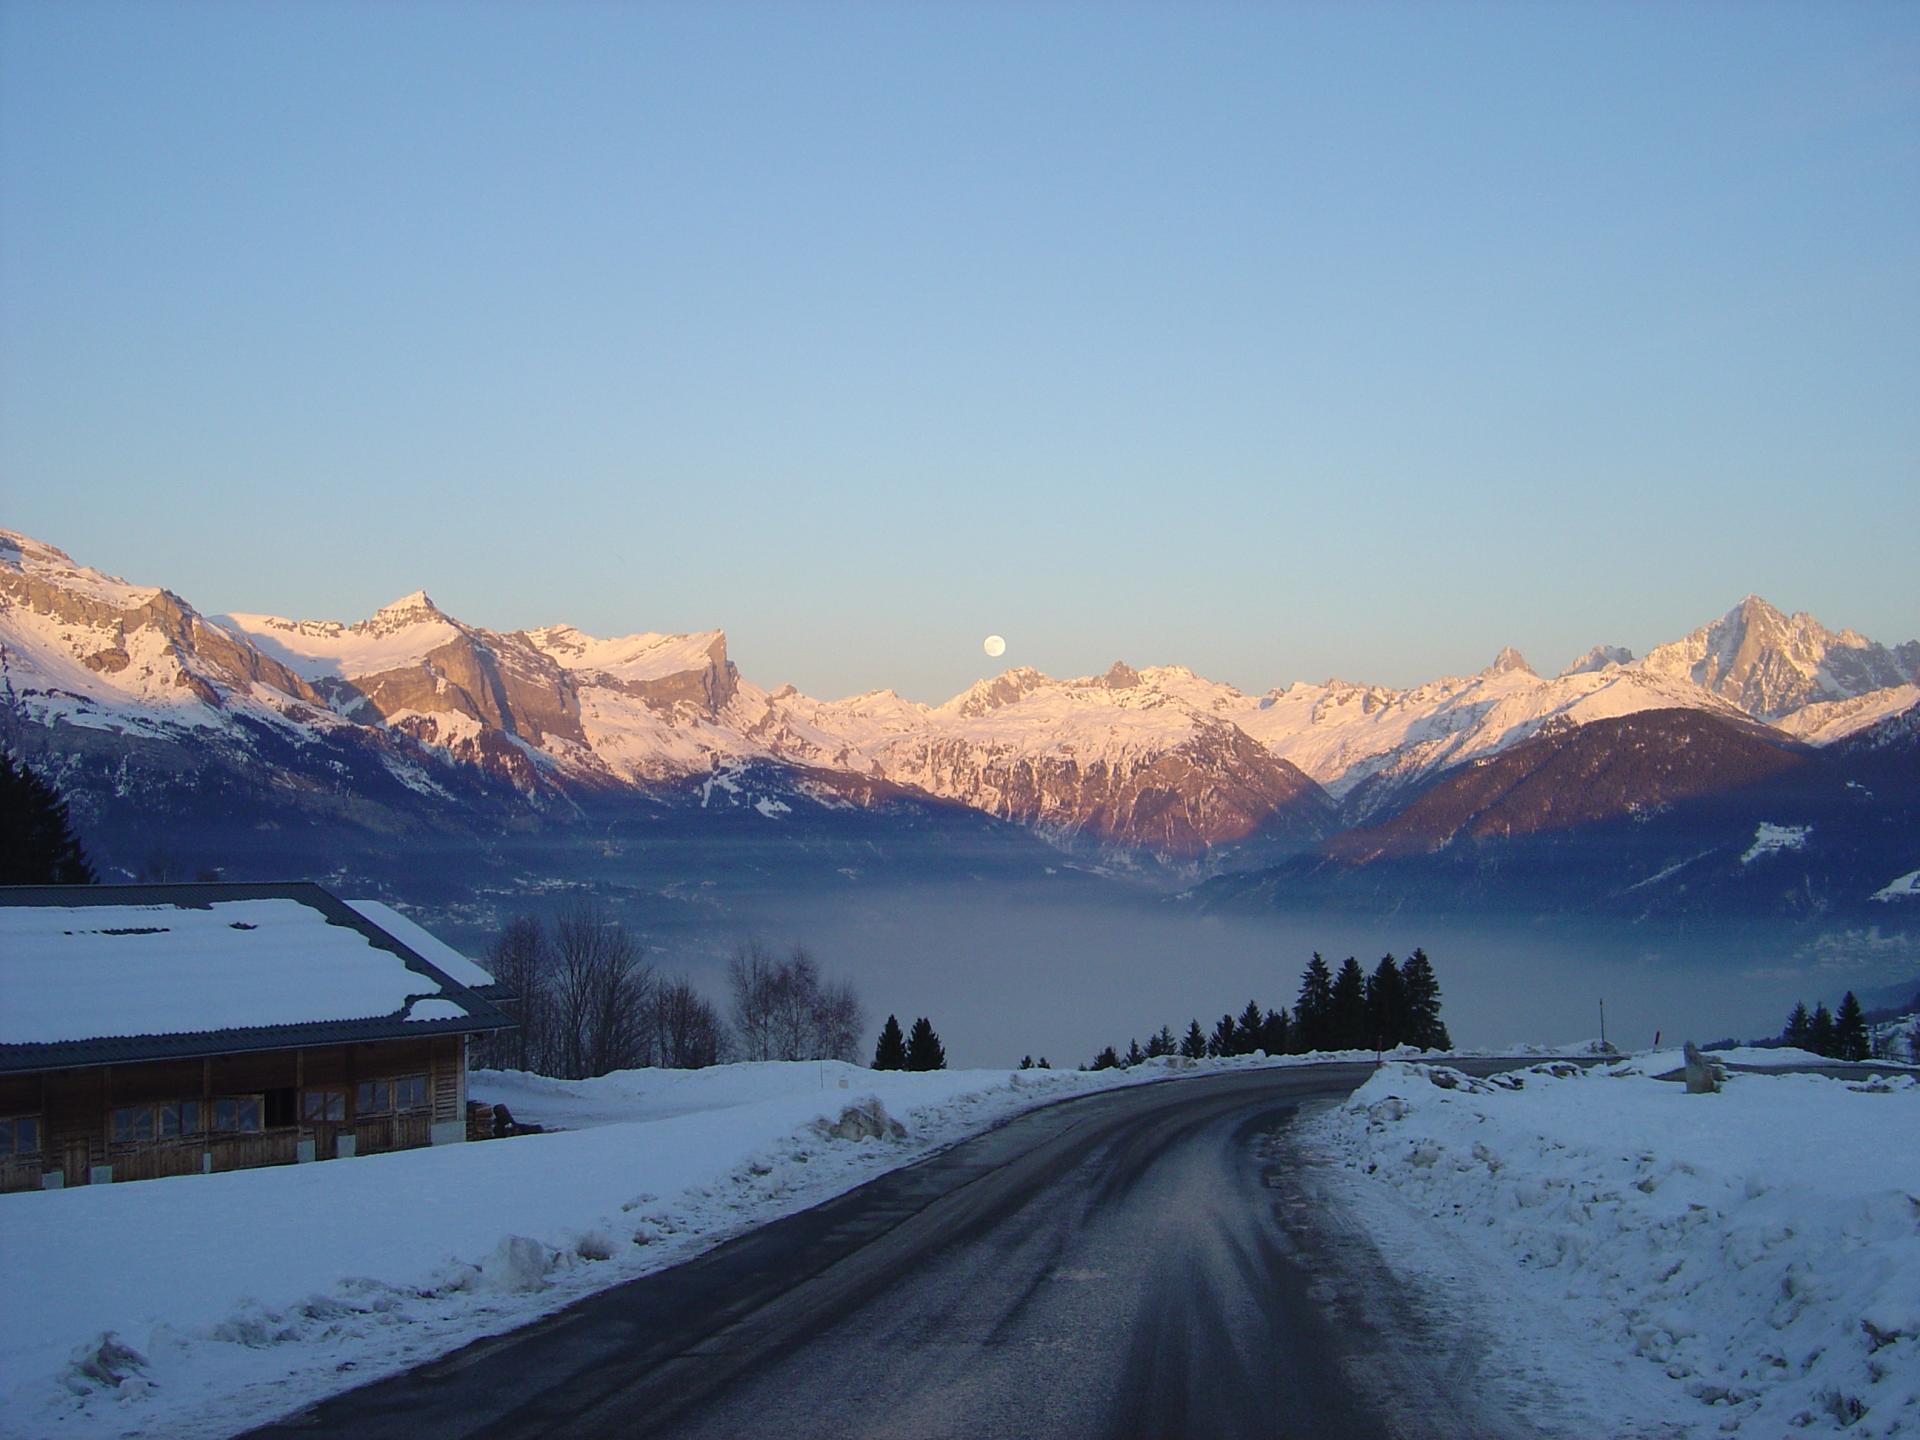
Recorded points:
(1133, 1264)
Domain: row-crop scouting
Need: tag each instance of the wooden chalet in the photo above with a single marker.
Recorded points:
(152, 1030)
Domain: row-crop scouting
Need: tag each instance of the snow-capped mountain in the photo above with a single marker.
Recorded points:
(1157, 762)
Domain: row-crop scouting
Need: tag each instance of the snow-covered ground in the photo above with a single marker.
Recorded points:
(1740, 1263)
(231, 1298)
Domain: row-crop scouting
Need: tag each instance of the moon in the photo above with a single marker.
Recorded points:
(994, 646)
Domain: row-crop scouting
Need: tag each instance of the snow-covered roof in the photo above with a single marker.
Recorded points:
(92, 974)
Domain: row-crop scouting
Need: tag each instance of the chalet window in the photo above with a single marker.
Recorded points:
(132, 1124)
(236, 1112)
(384, 1097)
(19, 1135)
(323, 1105)
(185, 1118)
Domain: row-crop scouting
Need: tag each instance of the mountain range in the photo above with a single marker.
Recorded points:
(227, 736)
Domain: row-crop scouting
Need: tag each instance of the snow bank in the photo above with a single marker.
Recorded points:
(203, 1305)
(1757, 1249)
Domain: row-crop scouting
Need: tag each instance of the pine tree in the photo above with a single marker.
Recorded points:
(1026, 1062)
(37, 843)
(1107, 1059)
(1387, 1004)
(1347, 1015)
(891, 1052)
(1248, 1029)
(1820, 1033)
(1850, 1040)
(1194, 1047)
(1223, 1040)
(1799, 1029)
(1311, 1009)
(1161, 1043)
(1135, 1055)
(924, 1050)
(1045, 1064)
(1276, 1032)
(1420, 989)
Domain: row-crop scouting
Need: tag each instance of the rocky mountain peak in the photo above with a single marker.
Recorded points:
(1600, 657)
(1120, 676)
(1508, 661)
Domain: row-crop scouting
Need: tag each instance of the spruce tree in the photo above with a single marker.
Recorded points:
(1850, 1039)
(1310, 1010)
(1194, 1047)
(1420, 990)
(1347, 1015)
(924, 1050)
(1276, 1033)
(1135, 1055)
(1799, 1027)
(1223, 1040)
(1249, 1028)
(37, 843)
(1161, 1043)
(1820, 1031)
(1026, 1062)
(891, 1052)
(1387, 1004)
(1107, 1059)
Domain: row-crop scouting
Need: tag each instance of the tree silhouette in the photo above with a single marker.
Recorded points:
(1194, 1046)
(924, 1050)
(891, 1052)
(37, 843)
(1420, 990)
(1850, 1041)
(1347, 1015)
(1310, 1010)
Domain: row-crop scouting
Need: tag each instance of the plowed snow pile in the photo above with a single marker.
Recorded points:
(1759, 1248)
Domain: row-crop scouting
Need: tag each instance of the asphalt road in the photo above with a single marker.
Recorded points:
(1132, 1264)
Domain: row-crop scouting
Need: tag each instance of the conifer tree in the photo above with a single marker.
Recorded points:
(37, 843)
(1311, 1009)
(924, 1050)
(1194, 1047)
(1420, 990)
(1161, 1043)
(1850, 1040)
(1820, 1031)
(1135, 1055)
(1223, 1040)
(891, 1052)
(1799, 1029)
(1276, 1032)
(1347, 1015)
(1249, 1028)
(1045, 1064)
(1107, 1059)
(1026, 1062)
(1387, 1004)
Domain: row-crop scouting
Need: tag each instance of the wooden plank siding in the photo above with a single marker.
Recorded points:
(76, 1109)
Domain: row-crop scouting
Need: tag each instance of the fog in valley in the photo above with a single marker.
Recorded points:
(1006, 969)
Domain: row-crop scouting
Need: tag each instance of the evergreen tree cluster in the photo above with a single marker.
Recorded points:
(919, 1049)
(37, 843)
(1398, 1004)
(1838, 1037)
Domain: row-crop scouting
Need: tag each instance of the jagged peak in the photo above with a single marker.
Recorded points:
(1120, 676)
(1600, 657)
(1507, 662)
(418, 602)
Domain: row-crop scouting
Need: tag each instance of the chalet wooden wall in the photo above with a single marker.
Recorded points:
(77, 1107)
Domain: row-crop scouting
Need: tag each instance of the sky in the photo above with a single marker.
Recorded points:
(1280, 341)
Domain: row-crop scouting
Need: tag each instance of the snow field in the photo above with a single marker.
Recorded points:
(1757, 1251)
(203, 1305)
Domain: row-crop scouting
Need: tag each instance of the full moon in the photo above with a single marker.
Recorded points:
(994, 645)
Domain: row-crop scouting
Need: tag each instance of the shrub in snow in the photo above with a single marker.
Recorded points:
(103, 1364)
(517, 1266)
(864, 1120)
(594, 1245)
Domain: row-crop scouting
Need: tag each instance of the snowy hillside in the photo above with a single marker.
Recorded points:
(1725, 1282)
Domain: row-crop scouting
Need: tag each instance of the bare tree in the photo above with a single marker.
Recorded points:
(686, 1029)
(783, 1009)
(601, 985)
(519, 962)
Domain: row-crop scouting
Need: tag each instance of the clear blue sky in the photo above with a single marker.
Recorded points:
(1278, 340)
